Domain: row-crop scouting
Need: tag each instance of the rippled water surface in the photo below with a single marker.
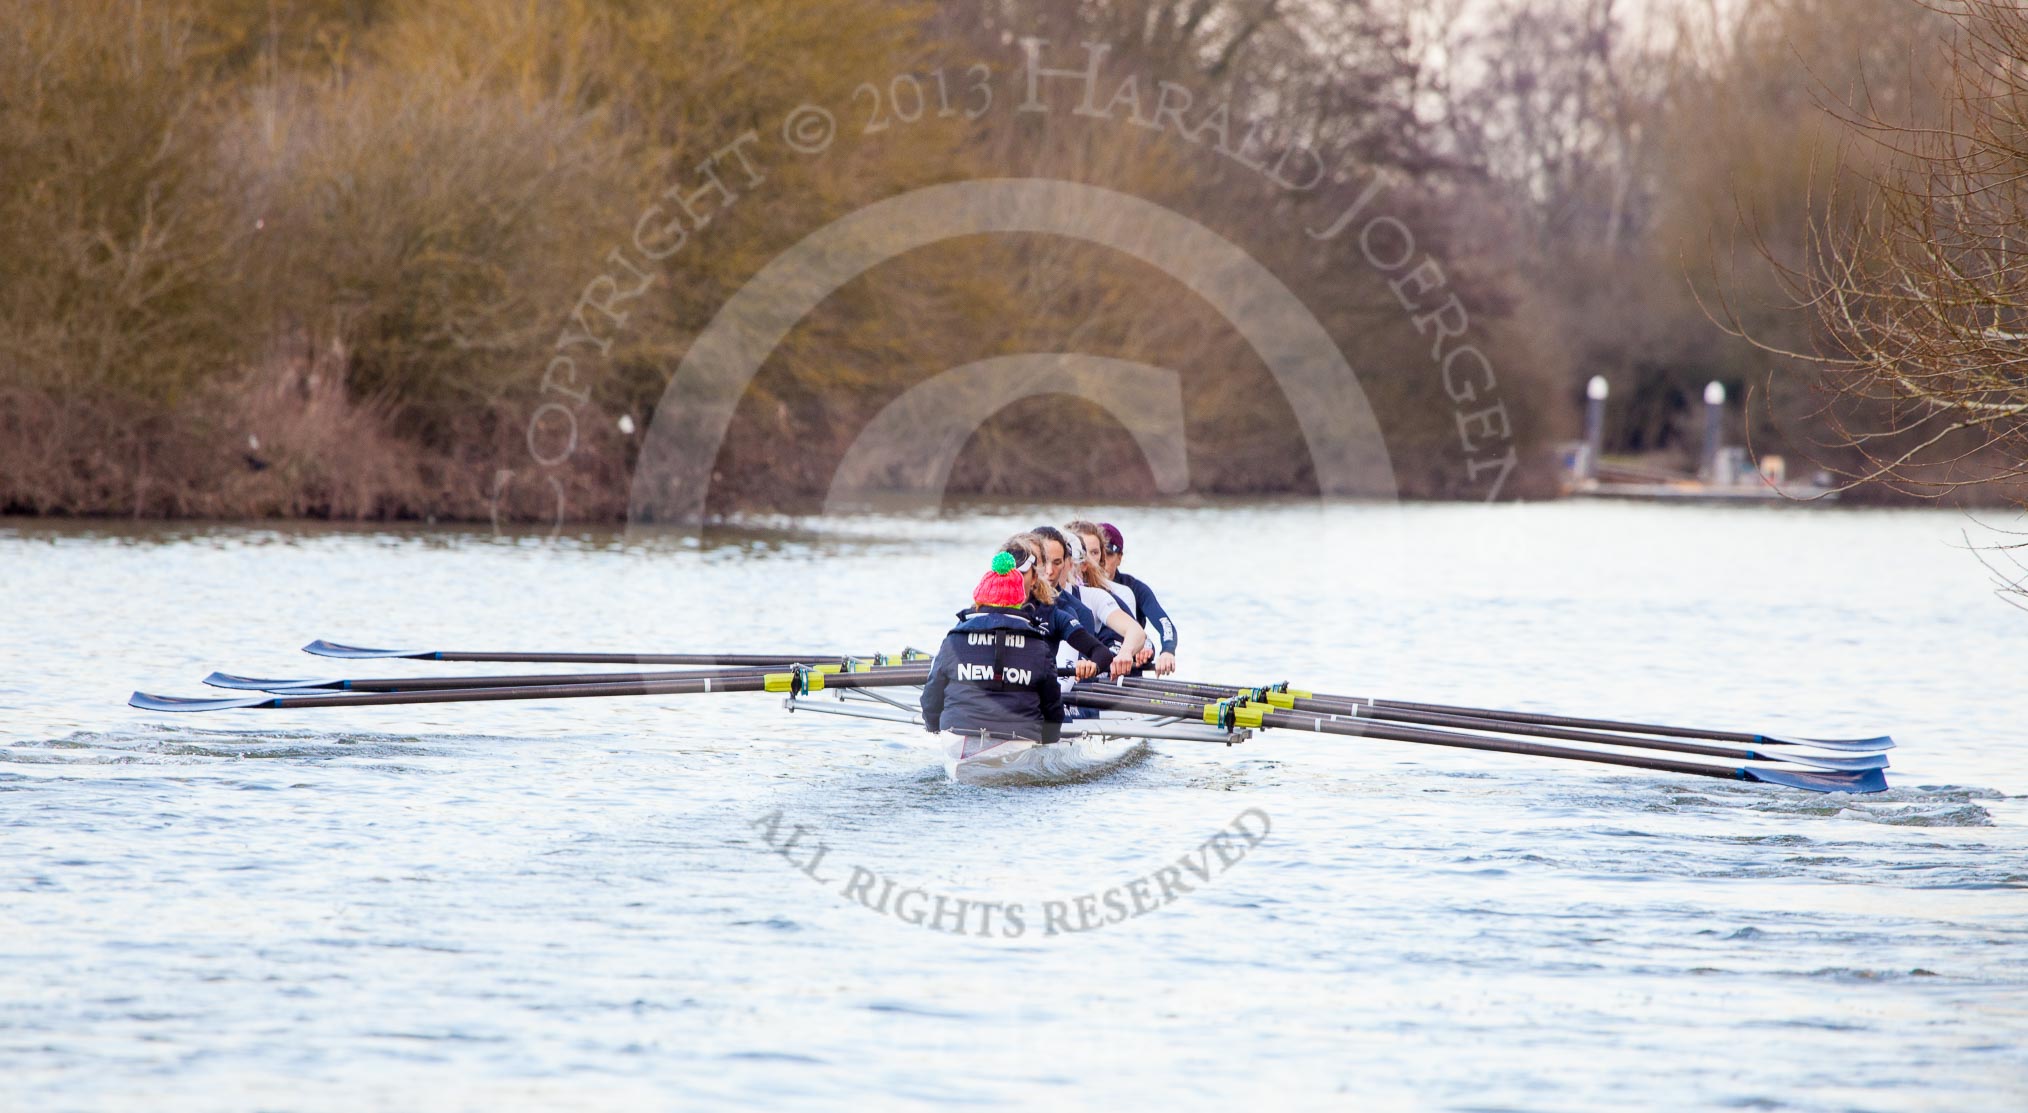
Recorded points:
(572, 904)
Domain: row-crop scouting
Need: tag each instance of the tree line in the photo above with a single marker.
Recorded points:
(315, 257)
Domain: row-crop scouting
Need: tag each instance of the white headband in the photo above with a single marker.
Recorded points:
(1076, 546)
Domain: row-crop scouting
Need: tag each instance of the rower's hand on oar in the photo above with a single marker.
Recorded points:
(1165, 664)
(1146, 655)
(1086, 669)
(1122, 665)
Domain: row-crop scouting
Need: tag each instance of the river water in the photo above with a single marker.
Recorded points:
(574, 904)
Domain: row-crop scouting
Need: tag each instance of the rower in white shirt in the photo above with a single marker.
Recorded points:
(1061, 556)
(1104, 548)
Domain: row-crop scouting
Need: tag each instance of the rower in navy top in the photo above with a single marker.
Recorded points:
(994, 677)
(1065, 621)
(1147, 609)
(1112, 629)
(1107, 548)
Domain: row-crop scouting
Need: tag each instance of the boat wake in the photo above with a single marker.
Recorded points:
(1908, 806)
(177, 746)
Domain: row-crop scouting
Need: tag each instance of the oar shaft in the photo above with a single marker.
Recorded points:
(743, 682)
(1534, 730)
(1322, 701)
(1572, 721)
(696, 659)
(324, 648)
(453, 683)
(1085, 696)
(1372, 729)
(1368, 709)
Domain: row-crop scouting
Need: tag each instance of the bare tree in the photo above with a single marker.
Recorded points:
(1559, 104)
(1913, 263)
(1918, 271)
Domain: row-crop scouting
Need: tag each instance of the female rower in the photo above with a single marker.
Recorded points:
(994, 678)
(1095, 608)
(1074, 633)
(1147, 609)
(1103, 547)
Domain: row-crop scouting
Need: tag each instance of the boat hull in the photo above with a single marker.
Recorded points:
(1021, 762)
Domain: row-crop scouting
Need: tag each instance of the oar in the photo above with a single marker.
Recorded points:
(1362, 710)
(1878, 742)
(795, 682)
(1236, 713)
(323, 648)
(446, 683)
(1849, 745)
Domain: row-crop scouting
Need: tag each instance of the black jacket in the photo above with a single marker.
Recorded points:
(996, 671)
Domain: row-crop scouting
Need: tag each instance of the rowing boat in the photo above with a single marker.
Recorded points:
(1131, 712)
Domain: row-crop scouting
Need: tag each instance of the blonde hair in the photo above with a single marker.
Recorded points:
(1043, 592)
(1094, 561)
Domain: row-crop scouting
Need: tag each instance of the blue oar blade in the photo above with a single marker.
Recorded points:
(322, 648)
(1849, 745)
(260, 684)
(147, 702)
(1870, 780)
(1845, 764)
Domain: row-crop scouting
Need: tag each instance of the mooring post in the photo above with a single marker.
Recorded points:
(1594, 427)
(1714, 430)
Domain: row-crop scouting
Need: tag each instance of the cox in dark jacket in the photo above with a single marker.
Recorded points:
(995, 672)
